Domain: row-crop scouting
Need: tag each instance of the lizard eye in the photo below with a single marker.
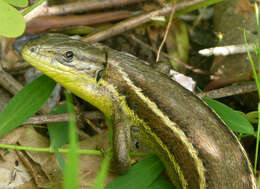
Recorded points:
(68, 56)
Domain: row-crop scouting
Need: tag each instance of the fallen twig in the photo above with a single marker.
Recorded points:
(43, 23)
(166, 32)
(193, 69)
(138, 20)
(9, 83)
(227, 50)
(45, 119)
(235, 89)
(44, 10)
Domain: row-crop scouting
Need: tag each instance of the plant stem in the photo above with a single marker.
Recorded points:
(257, 140)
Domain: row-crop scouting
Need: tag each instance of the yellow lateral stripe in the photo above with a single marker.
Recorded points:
(174, 128)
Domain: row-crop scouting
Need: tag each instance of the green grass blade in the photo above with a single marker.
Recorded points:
(197, 6)
(18, 3)
(252, 65)
(59, 133)
(25, 103)
(256, 77)
(102, 174)
(71, 167)
(257, 141)
(33, 6)
(232, 118)
(140, 176)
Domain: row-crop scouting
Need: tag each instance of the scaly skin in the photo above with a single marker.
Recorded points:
(193, 143)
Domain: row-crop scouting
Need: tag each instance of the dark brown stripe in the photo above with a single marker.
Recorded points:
(217, 147)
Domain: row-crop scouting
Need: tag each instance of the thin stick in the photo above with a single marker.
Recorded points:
(227, 50)
(57, 118)
(138, 20)
(193, 69)
(9, 83)
(43, 23)
(88, 6)
(235, 89)
(166, 32)
(44, 10)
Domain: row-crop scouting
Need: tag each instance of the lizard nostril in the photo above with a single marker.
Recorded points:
(32, 49)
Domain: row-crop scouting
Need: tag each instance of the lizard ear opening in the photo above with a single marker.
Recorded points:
(99, 75)
(101, 72)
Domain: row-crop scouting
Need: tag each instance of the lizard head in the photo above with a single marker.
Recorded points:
(58, 55)
(74, 64)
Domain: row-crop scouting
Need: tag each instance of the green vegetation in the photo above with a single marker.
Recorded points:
(256, 78)
(30, 99)
(12, 21)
